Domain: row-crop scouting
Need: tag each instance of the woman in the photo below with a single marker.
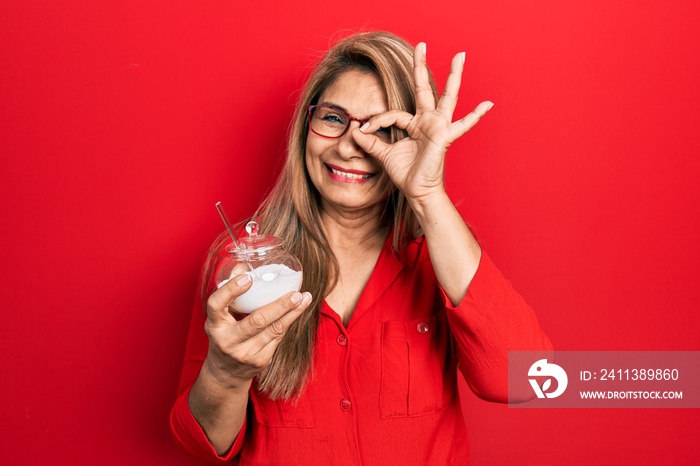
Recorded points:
(361, 368)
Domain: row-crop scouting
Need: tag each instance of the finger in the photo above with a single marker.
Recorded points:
(371, 144)
(268, 339)
(258, 320)
(425, 100)
(448, 101)
(459, 127)
(255, 353)
(397, 118)
(218, 302)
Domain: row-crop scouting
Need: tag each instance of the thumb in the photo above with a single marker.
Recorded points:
(370, 144)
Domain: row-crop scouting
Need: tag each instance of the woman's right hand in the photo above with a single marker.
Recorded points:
(240, 349)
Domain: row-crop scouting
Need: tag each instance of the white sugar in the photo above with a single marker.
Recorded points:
(275, 281)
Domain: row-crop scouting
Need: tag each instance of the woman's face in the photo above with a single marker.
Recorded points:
(348, 179)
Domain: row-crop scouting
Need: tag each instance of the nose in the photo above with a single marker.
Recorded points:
(347, 147)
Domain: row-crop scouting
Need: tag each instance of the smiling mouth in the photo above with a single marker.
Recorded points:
(351, 175)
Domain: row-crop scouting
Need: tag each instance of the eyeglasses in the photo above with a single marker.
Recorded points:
(332, 122)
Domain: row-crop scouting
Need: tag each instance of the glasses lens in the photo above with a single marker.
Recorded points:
(329, 121)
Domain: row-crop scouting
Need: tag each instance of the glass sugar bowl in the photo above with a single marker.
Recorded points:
(275, 272)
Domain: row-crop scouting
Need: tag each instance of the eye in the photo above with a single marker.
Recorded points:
(383, 133)
(331, 116)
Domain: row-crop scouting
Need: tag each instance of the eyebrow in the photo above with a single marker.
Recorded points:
(340, 107)
(331, 104)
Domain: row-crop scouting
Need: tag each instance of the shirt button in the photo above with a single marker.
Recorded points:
(422, 327)
(345, 405)
(342, 340)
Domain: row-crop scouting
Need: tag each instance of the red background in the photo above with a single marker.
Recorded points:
(122, 123)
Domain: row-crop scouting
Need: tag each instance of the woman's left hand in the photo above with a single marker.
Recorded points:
(416, 163)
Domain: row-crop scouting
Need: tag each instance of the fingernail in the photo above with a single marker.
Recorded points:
(464, 57)
(243, 280)
(425, 48)
(306, 297)
(296, 298)
(364, 127)
(489, 107)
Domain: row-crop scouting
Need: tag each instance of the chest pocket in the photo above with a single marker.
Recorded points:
(281, 413)
(418, 372)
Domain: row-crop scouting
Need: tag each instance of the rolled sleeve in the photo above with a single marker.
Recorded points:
(188, 433)
(491, 320)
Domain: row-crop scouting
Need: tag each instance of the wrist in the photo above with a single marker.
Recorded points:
(223, 377)
(429, 205)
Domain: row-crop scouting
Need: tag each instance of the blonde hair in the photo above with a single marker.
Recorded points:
(292, 210)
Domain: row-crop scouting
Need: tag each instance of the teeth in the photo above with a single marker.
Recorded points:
(352, 176)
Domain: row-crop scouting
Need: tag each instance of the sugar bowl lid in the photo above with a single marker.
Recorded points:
(255, 243)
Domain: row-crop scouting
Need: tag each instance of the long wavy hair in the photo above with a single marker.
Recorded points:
(292, 210)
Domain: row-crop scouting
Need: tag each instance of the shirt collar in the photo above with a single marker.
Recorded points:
(385, 272)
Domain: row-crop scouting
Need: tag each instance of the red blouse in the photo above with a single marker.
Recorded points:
(385, 387)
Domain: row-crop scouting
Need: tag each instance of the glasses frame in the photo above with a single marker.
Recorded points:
(310, 109)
